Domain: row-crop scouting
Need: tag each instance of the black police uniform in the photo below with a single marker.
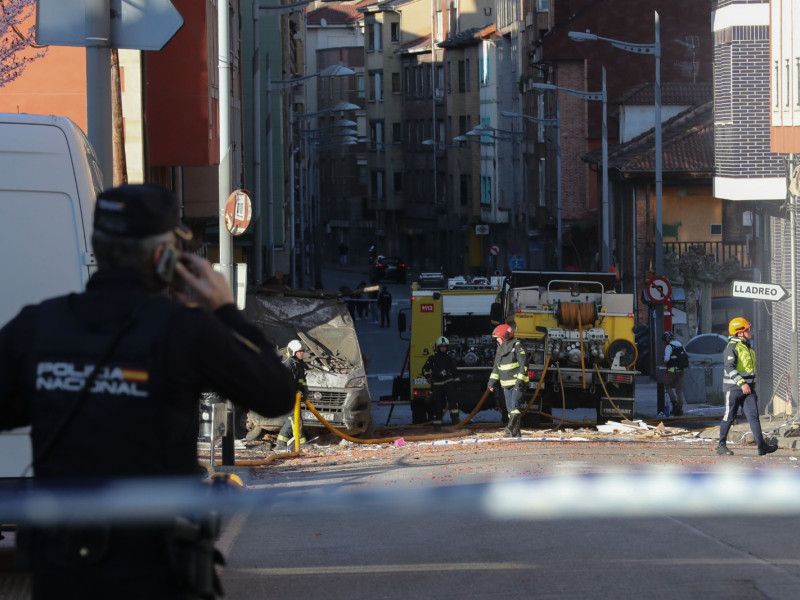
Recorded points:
(140, 418)
(440, 370)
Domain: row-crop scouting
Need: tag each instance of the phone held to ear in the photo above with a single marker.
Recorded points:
(165, 269)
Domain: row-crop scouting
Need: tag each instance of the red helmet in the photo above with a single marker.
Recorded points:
(504, 332)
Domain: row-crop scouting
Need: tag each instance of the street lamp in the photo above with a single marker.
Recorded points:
(557, 124)
(655, 50)
(602, 96)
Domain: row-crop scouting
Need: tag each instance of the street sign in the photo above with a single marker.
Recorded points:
(516, 262)
(758, 291)
(135, 24)
(494, 250)
(658, 290)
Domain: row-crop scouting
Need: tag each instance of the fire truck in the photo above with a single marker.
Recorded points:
(457, 308)
(578, 336)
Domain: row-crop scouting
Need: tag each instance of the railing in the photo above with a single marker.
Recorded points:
(722, 251)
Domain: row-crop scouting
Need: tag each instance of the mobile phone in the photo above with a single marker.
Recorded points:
(165, 268)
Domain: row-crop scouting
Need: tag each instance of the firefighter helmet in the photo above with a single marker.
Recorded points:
(667, 336)
(294, 347)
(442, 341)
(504, 332)
(738, 325)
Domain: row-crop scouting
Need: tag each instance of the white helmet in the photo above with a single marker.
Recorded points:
(442, 341)
(294, 347)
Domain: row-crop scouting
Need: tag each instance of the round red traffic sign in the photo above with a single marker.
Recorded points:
(494, 250)
(659, 290)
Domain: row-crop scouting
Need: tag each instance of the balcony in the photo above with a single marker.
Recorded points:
(721, 250)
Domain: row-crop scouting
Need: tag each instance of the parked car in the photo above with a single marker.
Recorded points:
(387, 268)
(706, 348)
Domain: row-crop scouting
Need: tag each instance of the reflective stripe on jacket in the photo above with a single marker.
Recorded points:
(510, 365)
(440, 369)
(739, 364)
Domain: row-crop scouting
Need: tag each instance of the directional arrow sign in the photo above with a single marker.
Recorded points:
(758, 291)
(135, 24)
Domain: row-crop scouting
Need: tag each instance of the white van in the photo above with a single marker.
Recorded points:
(49, 179)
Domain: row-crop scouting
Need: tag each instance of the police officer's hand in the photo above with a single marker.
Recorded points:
(211, 289)
(746, 389)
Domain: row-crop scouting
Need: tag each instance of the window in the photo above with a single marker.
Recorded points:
(374, 43)
(484, 65)
(375, 86)
(542, 182)
(542, 5)
(360, 89)
(395, 31)
(486, 190)
(376, 132)
(409, 82)
(462, 78)
(398, 181)
(396, 132)
(463, 128)
(466, 73)
(449, 76)
(377, 185)
(396, 83)
(716, 229)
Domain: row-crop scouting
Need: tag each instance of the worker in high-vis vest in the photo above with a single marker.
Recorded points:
(510, 370)
(739, 386)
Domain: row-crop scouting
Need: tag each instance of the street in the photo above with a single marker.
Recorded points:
(431, 519)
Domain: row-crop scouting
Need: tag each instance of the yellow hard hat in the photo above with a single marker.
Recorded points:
(737, 325)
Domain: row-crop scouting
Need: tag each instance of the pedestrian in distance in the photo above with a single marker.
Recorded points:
(675, 361)
(385, 306)
(361, 304)
(295, 351)
(442, 375)
(343, 252)
(739, 386)
(510, 370)
(109, 380)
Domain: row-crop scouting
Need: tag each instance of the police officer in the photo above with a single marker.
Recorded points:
(510, 370)
(440, 371)
(109, 381)
(297, 368)
(673, 377)
(738, 385)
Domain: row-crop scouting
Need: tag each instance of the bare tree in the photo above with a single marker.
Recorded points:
(18, 45)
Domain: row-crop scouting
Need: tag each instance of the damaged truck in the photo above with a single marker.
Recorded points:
(336, 371)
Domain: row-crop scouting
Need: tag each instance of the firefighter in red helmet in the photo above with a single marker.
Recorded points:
(510, 370)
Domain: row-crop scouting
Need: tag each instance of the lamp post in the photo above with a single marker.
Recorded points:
(655, 50)
(557, 124)
(602, 96)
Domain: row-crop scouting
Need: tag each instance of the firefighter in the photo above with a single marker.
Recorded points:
(510, 370)
(440, 371)
(738, 385)
(297, 368)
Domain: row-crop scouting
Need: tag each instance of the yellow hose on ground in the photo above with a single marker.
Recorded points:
(474, 411)
(603, 383)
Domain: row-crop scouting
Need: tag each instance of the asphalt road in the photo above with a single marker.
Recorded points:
(591, 519)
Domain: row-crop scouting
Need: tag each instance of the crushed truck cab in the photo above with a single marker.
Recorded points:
(335, 370)
(578, 335)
